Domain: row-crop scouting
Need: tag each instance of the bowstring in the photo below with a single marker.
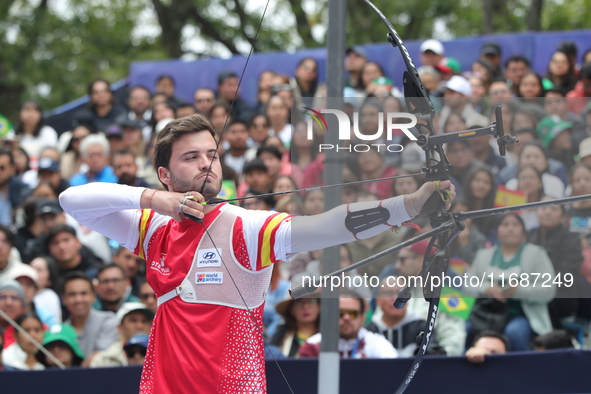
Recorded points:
(250, 312)
(259, 328)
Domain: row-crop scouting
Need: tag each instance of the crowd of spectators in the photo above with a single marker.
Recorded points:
(86, 300)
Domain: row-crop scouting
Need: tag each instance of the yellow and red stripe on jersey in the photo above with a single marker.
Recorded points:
(266, 255)
(144, 224)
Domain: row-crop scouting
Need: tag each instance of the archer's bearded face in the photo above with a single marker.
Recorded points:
(189, 170)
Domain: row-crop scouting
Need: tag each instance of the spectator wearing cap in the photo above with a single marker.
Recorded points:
(203, 100)
(27, 277)
(432, 52)
(132, 265)
(585, 152)
(49, 171)
(491, 52)
(8, 260)
(555, 135)
(12, 302)
(166, 85)
(70, 255)
(555, 104)
(457, 91)
(113, 289)
(134, 319)
(95, 330)
(95, 152)
(12, 190)
(61, 342)
(581, 89)
(449, 329)
(136, 348)
(228, 93)
(301, 321)
(355, 58)
(115, 137)
(256, 176)
(515, 68)
(125, 168)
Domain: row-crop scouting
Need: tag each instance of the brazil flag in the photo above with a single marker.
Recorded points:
(228, 190)
(456, 303)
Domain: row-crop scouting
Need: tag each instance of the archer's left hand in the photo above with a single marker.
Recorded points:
(420, 197)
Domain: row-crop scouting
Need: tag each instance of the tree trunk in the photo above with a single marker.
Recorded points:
(487, 16)
(534, 15)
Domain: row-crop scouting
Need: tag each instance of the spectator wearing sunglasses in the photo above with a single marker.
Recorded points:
(135, 321)
(354, 340)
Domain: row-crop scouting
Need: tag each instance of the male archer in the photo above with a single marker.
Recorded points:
(211, 277)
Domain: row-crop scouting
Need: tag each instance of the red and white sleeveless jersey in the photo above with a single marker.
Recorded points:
(206, 340)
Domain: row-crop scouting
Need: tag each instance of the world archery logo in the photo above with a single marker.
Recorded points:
(317, 116)
(200, 277)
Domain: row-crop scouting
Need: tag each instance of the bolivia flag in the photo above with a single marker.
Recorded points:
(228, 191)
(509, 198)
(456, 303)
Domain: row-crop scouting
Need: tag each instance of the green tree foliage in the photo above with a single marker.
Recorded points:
(51, 49)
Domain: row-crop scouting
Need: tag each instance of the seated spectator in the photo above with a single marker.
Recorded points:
(265, 83)
(14, 191)
(430, 78)
(95, 152)
(581, 89)
(372, 167)
(126, 170)
(72, 161)
(519, 311)
(31, 131)
(557, 339)
(278, 115)
(12, 302)
(185, 109)
(484, 70)
(49, 171)
(203, 100)
(485, 154)
(468, 241)
(164, 112)
(133, 139)
(499, 93)
(69, 253)
(134, 319)
(228, 93)
(20, 356)
(258, 130)
(272, 158)
(256, 176)
(454, 123)
(95, 330)
(491, 52)
(354, 340)
(278, 290)
(556, 136)
(305, 84)
(135, 349)
(432, 52)
(101, 111)
(26, 276)
(449, 329)
(527, 116)
(534, 154)
(479, 192)
(399, 326)
(165, 84)
(113, 290)
(561, 72)
(301, 321)
(556, 107)
(61, 342)
(485, 344)
(461, 157)
(531, 88)
(41, 215)
(237, 152)
(219, 116)
(49, 283)
(132, 265)
(564, 249)
(258, 203)
(515, 68)
(8, 260)
(140, 108)
(147, 297)
(529, 181)
(457, 91)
